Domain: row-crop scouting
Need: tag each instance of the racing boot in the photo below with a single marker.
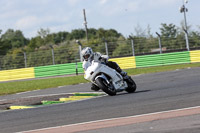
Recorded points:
(94, 87)
(115, 66)
(123, 73)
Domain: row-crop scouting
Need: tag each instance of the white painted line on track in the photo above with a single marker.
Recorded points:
(112, 119)
(26, 92)
(60, 86)
(3, 100)
(73, 101)
(59, 94)
(47, 95)
(137, 75)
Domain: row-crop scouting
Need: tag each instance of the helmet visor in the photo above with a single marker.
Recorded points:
(86, 56)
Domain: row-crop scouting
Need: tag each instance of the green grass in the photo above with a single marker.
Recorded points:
(160, 68)
(29, 85)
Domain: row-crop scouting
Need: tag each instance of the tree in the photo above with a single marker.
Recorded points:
(139, 31)
(169, 31)
(60, 37)
(149, 34)
(122, 50)
(5, 46)
(169, 34)
(16, 38)
(78, 34)
(92, 33)
(34, 43)
(43, 32)
(45, 35)
(195, 37)
(13, 60)
(49, 39)
(101, 33)
(112, 33)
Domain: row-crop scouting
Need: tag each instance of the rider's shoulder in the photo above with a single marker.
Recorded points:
(97, 53)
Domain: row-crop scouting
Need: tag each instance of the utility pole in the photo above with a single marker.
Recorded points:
(183, 10)
(85, 23)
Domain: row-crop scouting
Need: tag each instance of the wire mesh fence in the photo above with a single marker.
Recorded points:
(117, 48)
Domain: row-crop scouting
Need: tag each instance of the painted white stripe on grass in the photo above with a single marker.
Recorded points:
(169, 111)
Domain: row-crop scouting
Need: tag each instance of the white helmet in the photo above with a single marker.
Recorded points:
(87, 53)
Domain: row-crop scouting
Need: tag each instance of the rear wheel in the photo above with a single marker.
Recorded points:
(131, 85)
(102, 84)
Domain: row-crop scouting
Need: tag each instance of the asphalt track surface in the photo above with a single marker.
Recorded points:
(155, 93)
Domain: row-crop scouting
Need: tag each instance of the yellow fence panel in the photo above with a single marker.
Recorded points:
(17, 74)
(195, 56)
(125, 62)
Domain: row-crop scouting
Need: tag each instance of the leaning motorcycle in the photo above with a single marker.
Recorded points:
(108, 79)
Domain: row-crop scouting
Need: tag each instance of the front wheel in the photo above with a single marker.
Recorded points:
(131, 85)
(102, 84)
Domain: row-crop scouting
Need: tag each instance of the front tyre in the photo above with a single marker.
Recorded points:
(131, 85)
(102, 84)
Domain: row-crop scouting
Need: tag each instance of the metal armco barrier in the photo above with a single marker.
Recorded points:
(125, 62)
(162, 59)
(56, 70)
(17, 74)
(195, 56)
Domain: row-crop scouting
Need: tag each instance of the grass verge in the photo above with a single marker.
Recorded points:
(30, 85)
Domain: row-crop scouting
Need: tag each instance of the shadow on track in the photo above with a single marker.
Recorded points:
(124, 93)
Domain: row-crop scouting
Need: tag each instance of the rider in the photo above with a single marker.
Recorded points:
(88, 56)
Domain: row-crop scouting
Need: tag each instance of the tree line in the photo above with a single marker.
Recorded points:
(14, 46)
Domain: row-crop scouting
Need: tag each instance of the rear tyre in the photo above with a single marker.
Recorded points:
(131, 85)
(102, 84)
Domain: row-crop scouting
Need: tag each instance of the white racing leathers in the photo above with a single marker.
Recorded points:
(97, 57)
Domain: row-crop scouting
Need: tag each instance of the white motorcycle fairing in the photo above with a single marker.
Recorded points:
(97, 69)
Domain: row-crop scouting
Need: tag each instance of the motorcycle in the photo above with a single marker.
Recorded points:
(108, 79)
